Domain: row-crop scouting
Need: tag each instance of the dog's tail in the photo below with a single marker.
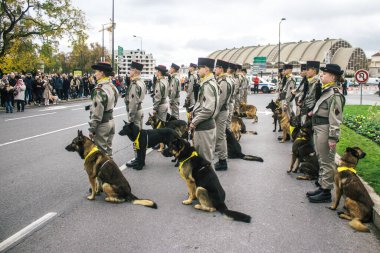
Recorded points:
(143, 202)
(251, 158)
(234, 215)
(358, 225)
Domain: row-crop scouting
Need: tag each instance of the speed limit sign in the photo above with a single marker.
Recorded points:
(361, 76)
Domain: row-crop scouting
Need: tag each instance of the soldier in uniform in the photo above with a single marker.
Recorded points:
(221, 119)
(231, 79)
(238, 85)
(309, 96)
(174, 92)
(133, 101)
(161, 92)
(104, 98)
(297, 93)
(326, 118)
(280, 77)
(245, 85)
(288, 85)
(193, 80)
(205, 110)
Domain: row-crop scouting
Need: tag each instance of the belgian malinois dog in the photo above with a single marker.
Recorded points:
(238, 127)
(100, 166)
(285, 124)
(248, 111)
(358, 203)
(202, 182)
(273, 106)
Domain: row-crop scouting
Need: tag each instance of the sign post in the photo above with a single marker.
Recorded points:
(120, 52)
(259, 64)
(361, 76)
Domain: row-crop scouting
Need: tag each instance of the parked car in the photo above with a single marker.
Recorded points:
(264, 86)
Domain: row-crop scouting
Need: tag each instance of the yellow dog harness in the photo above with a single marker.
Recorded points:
(136, 143)
(340, 169)
(93, 150)
(181, 164)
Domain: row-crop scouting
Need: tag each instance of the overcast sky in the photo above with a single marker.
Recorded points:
(181, 31)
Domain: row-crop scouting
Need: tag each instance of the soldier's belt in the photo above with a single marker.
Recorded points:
(107, 116)
(317, 120)
(208, 124)
(163, 101)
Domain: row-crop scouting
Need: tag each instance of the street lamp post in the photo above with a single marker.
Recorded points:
(279, 43)
(135, 36)
(113, 33)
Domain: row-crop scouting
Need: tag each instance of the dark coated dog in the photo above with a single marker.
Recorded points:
(273, 106)
(234, 149)
(202, 182)
(357, 203)
(144, 139)
(101, 167)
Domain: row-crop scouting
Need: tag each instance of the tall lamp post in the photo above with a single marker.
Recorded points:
(279, 43)
(135, 36)
(113, 33)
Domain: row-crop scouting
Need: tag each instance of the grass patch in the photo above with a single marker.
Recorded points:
(368, 167)
(360, 109)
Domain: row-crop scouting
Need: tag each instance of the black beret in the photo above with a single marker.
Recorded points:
(303, 67)
(206, 62)
(222, 64)
(102, 66)
(312, 64)
(238, 66)
(161, 68)
(232, 66)
(175, 66)
(333, 69)
(288, 66)
(193, 65)
(136, 65)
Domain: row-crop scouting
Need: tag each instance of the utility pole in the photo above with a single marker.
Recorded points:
(113, 33)
(279, 43)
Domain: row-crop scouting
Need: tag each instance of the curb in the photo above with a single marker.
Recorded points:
(374, 196)
(51, 105)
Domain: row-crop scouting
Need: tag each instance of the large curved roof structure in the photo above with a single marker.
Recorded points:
(336, 51)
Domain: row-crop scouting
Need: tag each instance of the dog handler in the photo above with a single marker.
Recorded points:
(175, 89)
(104, 99)
(221, 119)
(205, 109)
(160, 105)
(326, 117)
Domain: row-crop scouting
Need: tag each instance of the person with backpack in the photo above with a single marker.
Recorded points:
(327, 116)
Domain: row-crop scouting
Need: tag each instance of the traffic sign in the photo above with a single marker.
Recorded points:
(361, 76)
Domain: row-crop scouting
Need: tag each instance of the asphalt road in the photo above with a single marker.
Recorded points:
(38, 176)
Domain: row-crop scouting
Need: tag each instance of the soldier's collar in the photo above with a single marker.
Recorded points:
(103, 80)
(135, 78)
(288, 75)
(328, 85)
(311, 78)
(207, 77)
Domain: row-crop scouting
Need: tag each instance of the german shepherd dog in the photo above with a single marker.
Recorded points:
(234, 149)
(273, 106)
(202, 182)
(358, 203)
(248, 111)
(285, 124)
(180, 126)
(147, 139)
(238, 127)
(100, 166)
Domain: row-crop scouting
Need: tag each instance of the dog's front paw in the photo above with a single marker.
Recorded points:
(333, 207)
(282, 141)
(91, 197)
(187, 202)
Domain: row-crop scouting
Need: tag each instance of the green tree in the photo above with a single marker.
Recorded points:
(38, 19)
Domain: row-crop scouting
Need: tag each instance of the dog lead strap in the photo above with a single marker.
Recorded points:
(340, 169)
(181, 163)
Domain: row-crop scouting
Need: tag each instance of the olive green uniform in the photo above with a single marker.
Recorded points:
(244, 89)
(225, 89)
(133, 101)
(160, 104)
(104, 99)
(174, 93)
(237, 90)
(231, 105)
(287, 94)
(327, 116)
(190, 100)
(309, 100)
(205, 109)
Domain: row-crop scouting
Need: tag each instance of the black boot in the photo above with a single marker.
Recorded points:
(323, 197)
(221, 165)
(315, 192)
(131, 163)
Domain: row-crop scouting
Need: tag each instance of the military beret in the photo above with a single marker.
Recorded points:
(288, 66)
(193, 65)
(206, 62)
(222, 64)
(312, 64)
(175, 66)
(136, 65)
(232, 66)
(333, 69)
(102, 66)
(161, 68)
(303, 67)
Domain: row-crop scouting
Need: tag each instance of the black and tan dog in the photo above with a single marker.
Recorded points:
(180, 126)
(100, 166)
(234, 149)
(238, 127)
(248, 111)
(273, 106)
(285, 124)
(358, 203)
(144, 139)
(202, 182)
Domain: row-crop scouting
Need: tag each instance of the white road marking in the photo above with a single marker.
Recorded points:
(77, 109)
(265, 112)
(59, 107)
(32, 116)
(11, 241)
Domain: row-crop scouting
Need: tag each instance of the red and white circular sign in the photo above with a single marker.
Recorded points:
(361, 76)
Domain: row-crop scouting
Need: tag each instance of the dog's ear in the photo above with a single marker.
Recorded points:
(150, 115)
(125, 122)
(361, 153)
(80, 133)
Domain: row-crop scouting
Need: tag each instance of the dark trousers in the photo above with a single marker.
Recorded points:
(255, 89)
(20, 105)
(28, 95)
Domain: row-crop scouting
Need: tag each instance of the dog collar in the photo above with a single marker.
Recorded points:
(159, 124)
(291, 129)
(340, 169)
(136, 143)
(301, 139)
(181, 163)
(93, 150)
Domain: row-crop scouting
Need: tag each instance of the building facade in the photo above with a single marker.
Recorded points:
(124, 63)
(374, 66)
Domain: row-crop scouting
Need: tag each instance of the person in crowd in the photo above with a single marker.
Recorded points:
(104, 99)
(174, 91)
(86, 86)
(19, 93)
(47, 90)
(66, 87)
(256, 82)
(38, 87)
(344, 87)
(29, 88)
(3, 80)
(8, 96)
(245, 85)
(286, 93)
(205, 110)
(58, 85)
(327, 116)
